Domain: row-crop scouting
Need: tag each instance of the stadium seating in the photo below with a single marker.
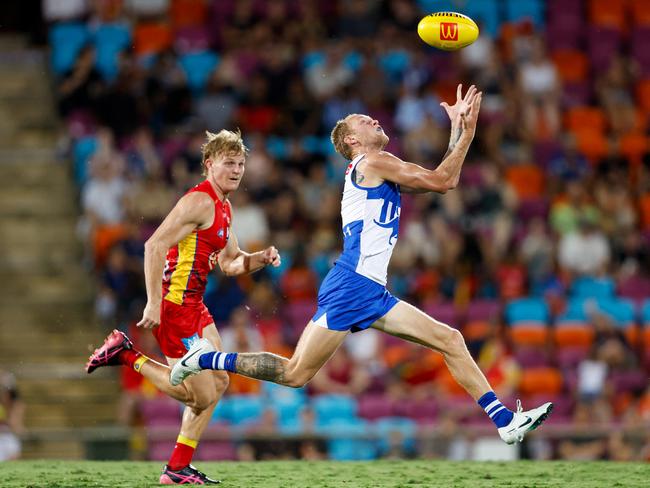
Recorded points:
(331, 408)
(66, 40)
(110, 40)
(396, 430)
(588, 287)
(518, 10)
(198, 66)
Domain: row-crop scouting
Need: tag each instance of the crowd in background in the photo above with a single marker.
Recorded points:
(555, 191)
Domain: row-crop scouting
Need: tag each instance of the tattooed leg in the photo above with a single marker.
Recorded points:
(262, 366)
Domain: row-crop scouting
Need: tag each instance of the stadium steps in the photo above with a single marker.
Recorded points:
(46, 294)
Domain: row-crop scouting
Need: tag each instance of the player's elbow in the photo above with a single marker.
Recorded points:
(153, 245)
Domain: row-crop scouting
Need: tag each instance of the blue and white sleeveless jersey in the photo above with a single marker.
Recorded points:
(370, 225)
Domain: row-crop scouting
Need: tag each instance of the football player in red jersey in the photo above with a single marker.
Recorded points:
(178, 257)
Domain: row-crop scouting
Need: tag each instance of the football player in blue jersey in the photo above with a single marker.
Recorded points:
(353, 296)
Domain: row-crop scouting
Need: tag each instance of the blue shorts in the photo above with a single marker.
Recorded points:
(349, 301)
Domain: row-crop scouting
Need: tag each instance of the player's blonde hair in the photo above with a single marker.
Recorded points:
(224, 142)
(339, 132)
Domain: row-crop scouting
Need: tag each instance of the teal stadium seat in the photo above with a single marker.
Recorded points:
(347, 440)
(518, 10)
(386, 429)
(527, 310)
(198, 67)
(332, 408)
(110, 40)
(588, 287)
(66, 39)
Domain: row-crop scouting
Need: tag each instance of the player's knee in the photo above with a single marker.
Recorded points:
(221, 381)
(296, 379)
(203, 400)
(455, 342)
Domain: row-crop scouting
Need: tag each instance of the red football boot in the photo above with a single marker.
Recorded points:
(107, 355)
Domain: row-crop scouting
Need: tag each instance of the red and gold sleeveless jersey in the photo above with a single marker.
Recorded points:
(190, 261)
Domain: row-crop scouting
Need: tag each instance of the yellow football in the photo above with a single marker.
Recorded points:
(448, 31)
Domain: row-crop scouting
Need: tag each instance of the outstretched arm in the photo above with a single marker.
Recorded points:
(233, 261)
(416, 179)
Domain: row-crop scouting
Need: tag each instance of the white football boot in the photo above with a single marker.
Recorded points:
(523, 422)
(188, 365)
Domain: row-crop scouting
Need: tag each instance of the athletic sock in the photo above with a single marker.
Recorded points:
(499, 414)
(225, 361)
(132, 358)
(182, 453)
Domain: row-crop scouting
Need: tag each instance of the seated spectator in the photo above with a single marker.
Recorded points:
(241, 335)
(82, 86)
(340, 376)
(585, 251)
(12, 413)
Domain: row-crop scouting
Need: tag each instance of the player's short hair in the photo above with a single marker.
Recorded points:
(224, 142)
(339, 132)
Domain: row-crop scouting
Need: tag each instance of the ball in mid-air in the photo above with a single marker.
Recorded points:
(448, 31)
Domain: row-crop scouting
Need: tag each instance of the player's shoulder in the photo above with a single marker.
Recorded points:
(379, 159)
(196, 202)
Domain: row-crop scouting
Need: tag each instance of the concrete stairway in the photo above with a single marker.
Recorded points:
(46, 327)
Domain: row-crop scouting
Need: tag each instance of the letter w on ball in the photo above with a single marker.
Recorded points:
(448, 31)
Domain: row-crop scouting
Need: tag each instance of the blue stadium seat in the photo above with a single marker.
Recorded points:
(517, 10)
(394, 63)
(619, 309)
(245, 409)
(588, 287)
(312, 58)
(347, 441)
(331, 408)
(287, 403)
(431, 6)
(83, 150)
(575, 311)
(353, 60)
(198, 67)
(645, 312)
(278, 147)
(110, 40)
(486, 14)
(527, 310)
(405, 427)
(66, 40)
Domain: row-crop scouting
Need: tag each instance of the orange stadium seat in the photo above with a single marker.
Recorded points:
(532, 334)
(633, 146)
(592, 144)
(633, 335)
(537, 381)
(608, 13)
(527, 180)
(583, 118)
(573, 334)
(476, 330)
(572, 65)
(643, 95)
(187, 13)
(640, 12)
(152, 38)
(644, 210)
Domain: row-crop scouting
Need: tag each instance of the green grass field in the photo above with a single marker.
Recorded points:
(291, 474)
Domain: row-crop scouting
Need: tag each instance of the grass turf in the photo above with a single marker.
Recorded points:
(290, 474)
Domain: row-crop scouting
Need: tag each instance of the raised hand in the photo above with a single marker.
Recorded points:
(462, 105)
